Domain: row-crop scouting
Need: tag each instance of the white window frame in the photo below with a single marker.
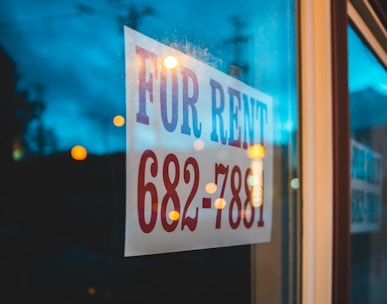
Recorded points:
(317, 140)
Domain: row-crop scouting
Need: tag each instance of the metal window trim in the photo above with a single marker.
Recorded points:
(360, 25)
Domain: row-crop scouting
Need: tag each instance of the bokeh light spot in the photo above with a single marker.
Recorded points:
(170, 62)
(220, 203)
(256, 152)
(295, 183)
(211, 188)
(78, 153)
(119, 120)
(174, 215)
(198, 145)
(91, 291)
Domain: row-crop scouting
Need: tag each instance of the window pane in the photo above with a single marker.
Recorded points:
(368, 115)
(66, 169)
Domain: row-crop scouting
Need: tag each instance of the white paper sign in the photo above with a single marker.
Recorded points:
(190, 182)
(366, 188)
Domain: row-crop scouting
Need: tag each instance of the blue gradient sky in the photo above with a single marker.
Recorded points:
(75, 50)
(365, 71)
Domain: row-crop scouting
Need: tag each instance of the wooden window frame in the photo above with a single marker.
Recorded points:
(325, 135)
(365, 20)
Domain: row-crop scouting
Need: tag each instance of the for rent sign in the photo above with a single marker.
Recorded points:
(199, 153)
(366, 188)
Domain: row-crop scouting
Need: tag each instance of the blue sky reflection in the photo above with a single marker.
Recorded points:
(75, 52)
(359, 59)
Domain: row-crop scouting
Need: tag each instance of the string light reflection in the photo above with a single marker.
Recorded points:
(256, 153)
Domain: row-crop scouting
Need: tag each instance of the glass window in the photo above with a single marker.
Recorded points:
(68, 173)
(368, 117)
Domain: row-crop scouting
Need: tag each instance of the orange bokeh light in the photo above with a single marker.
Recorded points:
(256, 152)
(220, 203)
(211, 188)
(174, 215)
(78, 153)
(119, 120)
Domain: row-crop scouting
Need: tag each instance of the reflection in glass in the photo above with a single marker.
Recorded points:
(256, 153)
(368, 117)
(62, 221)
